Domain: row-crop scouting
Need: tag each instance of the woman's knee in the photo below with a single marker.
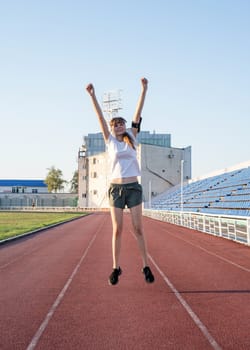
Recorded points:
(138, 230)
(117, 231)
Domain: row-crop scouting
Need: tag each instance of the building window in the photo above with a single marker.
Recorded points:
(16, 189)
(34, 190)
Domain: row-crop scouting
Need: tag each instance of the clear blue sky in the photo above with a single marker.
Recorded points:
(195, 54)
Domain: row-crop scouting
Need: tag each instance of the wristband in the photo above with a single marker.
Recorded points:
(137, 125)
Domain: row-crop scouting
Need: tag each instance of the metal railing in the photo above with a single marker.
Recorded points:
(236, 228)
(53, 209)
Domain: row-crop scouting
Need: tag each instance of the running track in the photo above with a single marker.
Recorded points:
(54, 291)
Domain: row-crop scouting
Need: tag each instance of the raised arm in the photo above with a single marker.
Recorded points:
(137, 115)
(103, 124)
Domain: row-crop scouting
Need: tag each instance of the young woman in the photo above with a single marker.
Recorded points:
(124, 188)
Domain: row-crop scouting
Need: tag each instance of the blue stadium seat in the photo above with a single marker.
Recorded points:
(228, 194)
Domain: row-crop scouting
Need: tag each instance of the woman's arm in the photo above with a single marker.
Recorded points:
(97, 108)
(137, 115)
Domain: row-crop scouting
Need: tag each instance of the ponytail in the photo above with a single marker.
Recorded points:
(128, 139)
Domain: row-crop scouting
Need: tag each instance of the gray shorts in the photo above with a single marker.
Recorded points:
(121, 195)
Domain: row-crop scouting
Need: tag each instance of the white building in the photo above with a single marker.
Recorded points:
(23, 186)
(160, 170)
(32, 193)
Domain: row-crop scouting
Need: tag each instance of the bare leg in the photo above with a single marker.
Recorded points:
(136, 214)
(117, 222)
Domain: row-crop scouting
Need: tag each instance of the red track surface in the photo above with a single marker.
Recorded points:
(54, 291)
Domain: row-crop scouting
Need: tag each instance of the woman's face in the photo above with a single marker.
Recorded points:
(118, 126)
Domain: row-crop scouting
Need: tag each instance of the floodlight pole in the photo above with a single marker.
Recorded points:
(182, 166)
(149, 193)
(112, 103)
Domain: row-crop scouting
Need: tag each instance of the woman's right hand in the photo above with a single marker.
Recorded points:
(144, 82)
(90, 89)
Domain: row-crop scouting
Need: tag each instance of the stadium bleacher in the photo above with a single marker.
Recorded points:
(227, 193)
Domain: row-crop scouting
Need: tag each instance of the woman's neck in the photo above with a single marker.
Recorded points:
(119, 137)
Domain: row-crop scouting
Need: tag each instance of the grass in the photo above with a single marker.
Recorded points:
(16, 223)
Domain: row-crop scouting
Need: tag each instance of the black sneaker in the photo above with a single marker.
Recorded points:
(149, 277)
(114, 277)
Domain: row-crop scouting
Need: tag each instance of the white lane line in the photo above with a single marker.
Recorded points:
(209, 252)
(191, 313)
(221, 257)
(53, 308)
(18, 258)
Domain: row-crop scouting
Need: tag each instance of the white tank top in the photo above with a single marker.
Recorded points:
(123, 158)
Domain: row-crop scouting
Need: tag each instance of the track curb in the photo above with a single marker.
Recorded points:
(39, 230)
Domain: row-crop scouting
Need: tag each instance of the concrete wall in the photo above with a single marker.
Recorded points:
(98, 180)
(161, 168)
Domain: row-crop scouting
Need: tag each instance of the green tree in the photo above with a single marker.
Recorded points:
(74, 183)
(54, 180)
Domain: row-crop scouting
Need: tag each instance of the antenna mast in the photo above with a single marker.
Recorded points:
(112, 103)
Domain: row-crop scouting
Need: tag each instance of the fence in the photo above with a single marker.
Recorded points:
(230, 227)
(38, 200)
(236, 228)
